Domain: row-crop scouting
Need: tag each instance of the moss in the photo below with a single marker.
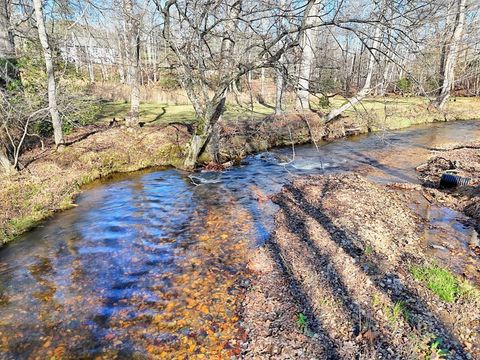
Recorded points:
(22, 224)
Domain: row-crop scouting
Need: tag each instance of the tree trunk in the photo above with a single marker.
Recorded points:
(8, 71)
(5, 163)
(133, 58)
(91, 70)
(387, 70)
(307, 59)
(279, 92)
(52, 86)
(203, 134)
(7, 44)
(449, 56)
(280, 84)
(215, 106)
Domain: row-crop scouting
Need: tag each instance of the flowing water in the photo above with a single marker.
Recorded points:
(150, 265)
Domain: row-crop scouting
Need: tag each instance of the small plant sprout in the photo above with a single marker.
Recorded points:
(302, 322)
(397, 311)
(437, 351)
(368, 250)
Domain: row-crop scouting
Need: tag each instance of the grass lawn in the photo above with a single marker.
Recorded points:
(397, 111)
(153, 113)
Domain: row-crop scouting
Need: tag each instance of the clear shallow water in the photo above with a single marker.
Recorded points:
(148, 264)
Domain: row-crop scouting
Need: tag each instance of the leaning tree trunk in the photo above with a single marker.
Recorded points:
(215, 106)
(52, 86)
(203, 133)
(5, 163)
(449, 56)
(367, 86)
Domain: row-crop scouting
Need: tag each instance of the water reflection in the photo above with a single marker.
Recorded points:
(149, 265)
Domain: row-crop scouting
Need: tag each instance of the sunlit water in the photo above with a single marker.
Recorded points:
(150, 265)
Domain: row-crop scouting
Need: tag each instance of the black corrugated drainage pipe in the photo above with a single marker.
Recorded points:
(449, 180)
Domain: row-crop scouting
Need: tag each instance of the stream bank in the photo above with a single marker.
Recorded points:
(50, 181)
(347, 273)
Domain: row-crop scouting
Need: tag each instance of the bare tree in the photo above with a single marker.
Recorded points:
(18, 112)
(450, 52)
(215, 44)
(7, 44)
(308, 41)
(132, 54)
(367, 86)
(51, 84)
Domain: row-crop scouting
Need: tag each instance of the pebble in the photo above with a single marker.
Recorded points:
(474, 242)
(439, 247)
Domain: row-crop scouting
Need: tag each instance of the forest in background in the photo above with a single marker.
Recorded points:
(69, 64)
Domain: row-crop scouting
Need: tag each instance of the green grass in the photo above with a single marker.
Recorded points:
(152, 113)
(384, 112)
(397, 312)
(439, 280)
(149, 112)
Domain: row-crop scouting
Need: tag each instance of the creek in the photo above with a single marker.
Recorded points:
(152, 264)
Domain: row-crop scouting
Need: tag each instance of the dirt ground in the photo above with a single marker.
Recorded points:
(335, 280)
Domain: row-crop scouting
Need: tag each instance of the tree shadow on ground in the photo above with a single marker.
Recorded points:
(299, 209)
(324, 266)
(301, 298)
(391, 170)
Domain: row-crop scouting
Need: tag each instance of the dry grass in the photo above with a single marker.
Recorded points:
(51, 180)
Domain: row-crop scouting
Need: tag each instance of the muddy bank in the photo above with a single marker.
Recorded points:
(236, 139)
(346, 275)
(459, 159)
